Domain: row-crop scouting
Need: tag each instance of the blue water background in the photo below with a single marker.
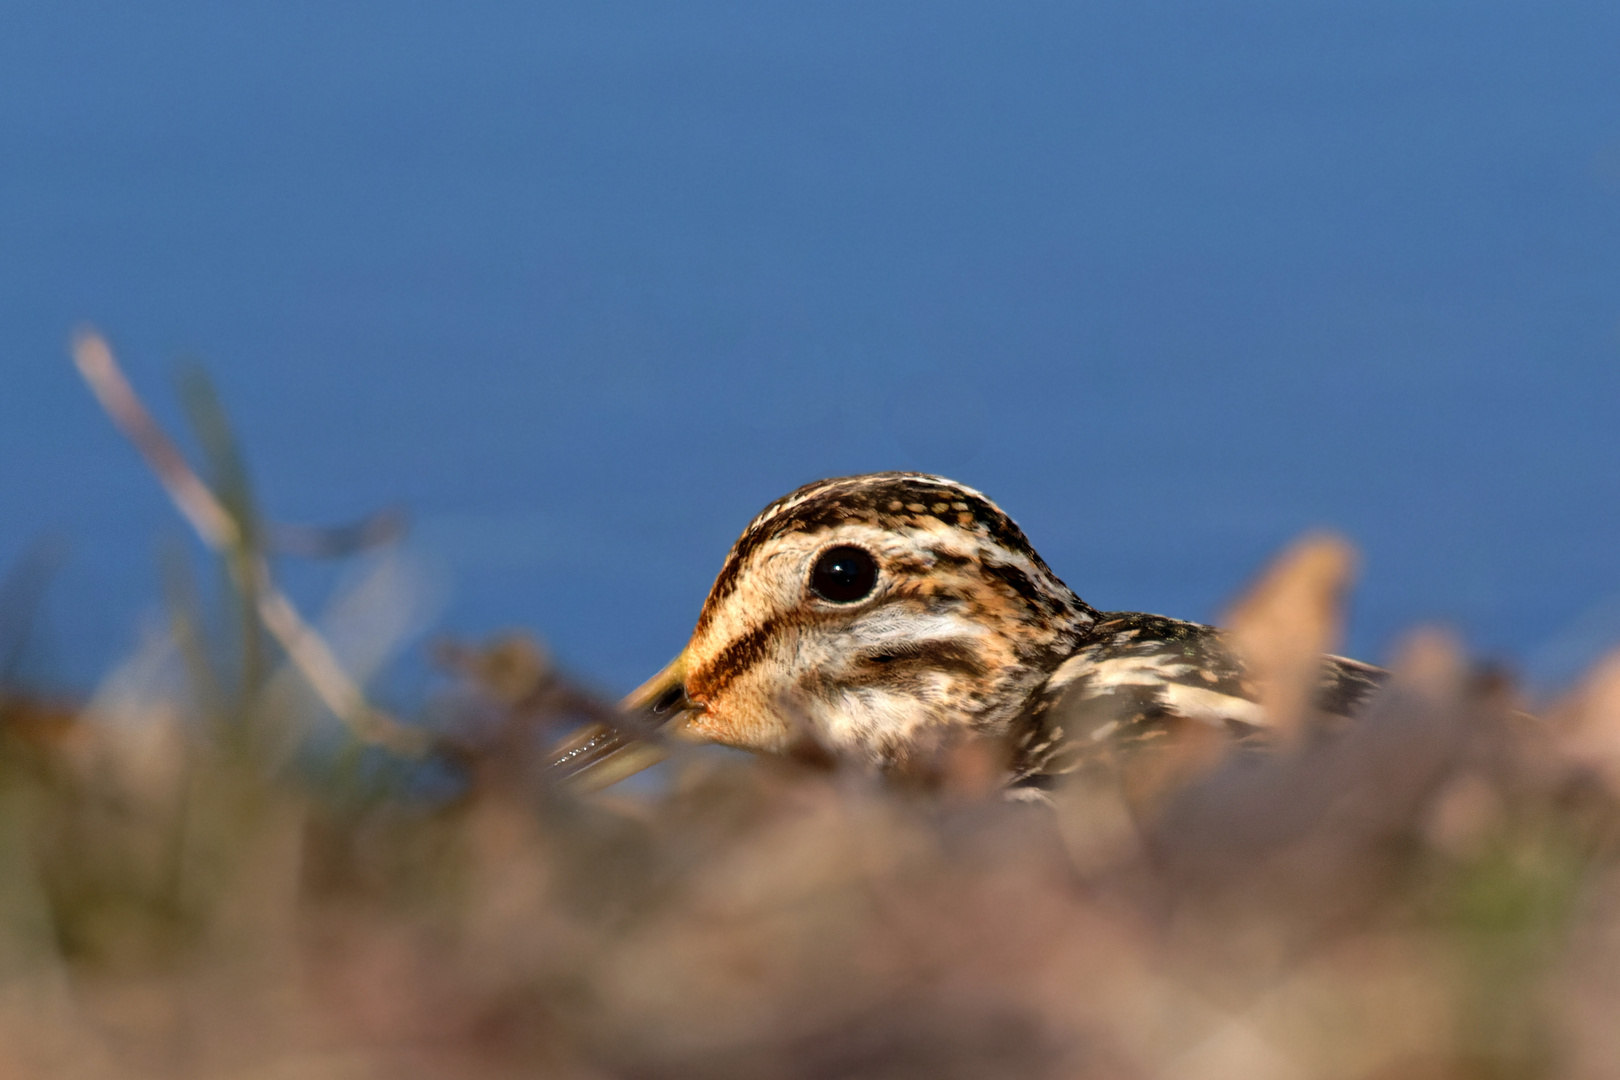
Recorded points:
(585, 285)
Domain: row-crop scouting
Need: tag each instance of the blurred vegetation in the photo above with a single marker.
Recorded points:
(202, 873)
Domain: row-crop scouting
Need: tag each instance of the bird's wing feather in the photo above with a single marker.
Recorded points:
(1136, 676)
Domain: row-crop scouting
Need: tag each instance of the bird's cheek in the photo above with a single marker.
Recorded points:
(732, 719)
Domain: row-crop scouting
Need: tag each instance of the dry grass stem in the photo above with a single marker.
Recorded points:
(219, 530)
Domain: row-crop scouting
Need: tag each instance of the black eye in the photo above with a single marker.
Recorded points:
(843, 575)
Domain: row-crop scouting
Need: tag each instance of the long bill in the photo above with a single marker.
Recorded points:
(601, 754)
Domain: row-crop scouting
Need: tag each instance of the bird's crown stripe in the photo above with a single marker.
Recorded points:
(878, 499)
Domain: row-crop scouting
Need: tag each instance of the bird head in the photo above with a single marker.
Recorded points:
(868, 614)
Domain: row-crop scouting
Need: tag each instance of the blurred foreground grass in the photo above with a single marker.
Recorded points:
(202, 876)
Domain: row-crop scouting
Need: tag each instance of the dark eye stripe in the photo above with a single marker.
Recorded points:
(733, 660)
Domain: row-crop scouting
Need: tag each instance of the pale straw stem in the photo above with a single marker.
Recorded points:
(305, 648)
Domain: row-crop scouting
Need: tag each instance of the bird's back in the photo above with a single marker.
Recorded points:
(1137, 677)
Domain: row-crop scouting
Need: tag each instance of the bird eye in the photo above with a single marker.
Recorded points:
(844, 575)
